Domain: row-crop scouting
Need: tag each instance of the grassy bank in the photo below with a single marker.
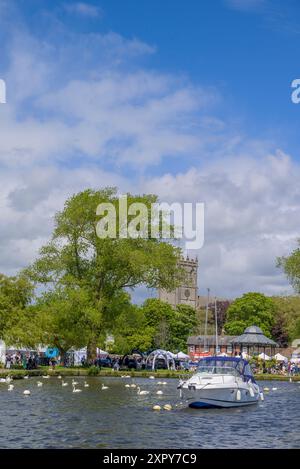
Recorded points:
(19, 374)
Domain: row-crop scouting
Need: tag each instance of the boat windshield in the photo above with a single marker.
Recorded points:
(223, 370)
(226, 365)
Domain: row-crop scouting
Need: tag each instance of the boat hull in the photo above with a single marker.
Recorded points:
(221, 397)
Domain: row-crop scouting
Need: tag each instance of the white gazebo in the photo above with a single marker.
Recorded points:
(161, 354)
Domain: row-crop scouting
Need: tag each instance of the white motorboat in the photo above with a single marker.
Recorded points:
(221, 382)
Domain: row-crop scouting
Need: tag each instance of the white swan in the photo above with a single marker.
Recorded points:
(142, 393)
(26, 377)
(39, 384)
(26, 392)
(151, 377)
(133, 385)
(46, 376)
(10, 387)
(59, 377)
(74, 382)
(159, 393)
(76, 389)
(63, 383)
(86, 385)
(127, 385)
(104, 387)
(3, 380)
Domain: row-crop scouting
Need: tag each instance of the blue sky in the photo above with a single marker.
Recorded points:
(191, 100)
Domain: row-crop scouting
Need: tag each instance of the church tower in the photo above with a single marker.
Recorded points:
(187, 293)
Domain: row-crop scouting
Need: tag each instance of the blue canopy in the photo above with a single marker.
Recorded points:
(52, 352)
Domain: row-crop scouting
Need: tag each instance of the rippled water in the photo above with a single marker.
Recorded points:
(53, 417)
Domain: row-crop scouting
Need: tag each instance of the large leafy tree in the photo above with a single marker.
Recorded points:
(291, 267)
(287, 326)
(183, 324)
(19, 323)
(158, 315)
(131, 331)
(251, 309)
(76, 257)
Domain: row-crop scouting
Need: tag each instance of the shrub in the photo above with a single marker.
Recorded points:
(93, 371)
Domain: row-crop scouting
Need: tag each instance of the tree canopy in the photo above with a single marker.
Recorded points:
(77, 258)
(291, 266)
(251, 309)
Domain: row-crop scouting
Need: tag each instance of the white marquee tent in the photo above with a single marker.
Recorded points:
(280, 358)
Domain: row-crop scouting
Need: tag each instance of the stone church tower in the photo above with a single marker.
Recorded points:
(186, 294)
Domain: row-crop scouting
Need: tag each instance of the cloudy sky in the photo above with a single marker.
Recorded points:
(189, 100)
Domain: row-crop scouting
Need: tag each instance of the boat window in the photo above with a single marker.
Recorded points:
(205, 369)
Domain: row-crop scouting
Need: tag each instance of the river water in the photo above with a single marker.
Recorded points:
(54, 417)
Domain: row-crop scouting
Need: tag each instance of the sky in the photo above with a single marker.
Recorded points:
(188, 100)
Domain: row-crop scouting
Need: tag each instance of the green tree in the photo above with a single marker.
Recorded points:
(158, 315)
(182, 324)
(18, 320)
(251, 309)
(76, 257)
(287, 316)
(67, 318)
(131, 331)
(291, 267)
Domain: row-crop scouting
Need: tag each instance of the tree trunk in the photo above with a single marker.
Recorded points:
(91, 350)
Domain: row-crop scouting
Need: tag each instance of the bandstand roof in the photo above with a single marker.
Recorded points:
(252, 336)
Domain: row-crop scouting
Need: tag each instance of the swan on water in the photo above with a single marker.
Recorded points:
(59, 377)
(3, 380)
(151, 377)
(26, 377)
(74, 382)
(86, 385)
(133, 385)
(63, 383)
(10, 387)
(127, 385)
(26, 392)
(142, 393)
(76, 389)
(274, 389)
(46, 376)
(39, 384)
(104, 387)
(159, 393)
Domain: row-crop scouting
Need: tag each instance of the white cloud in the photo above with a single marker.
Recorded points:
(252, 216)
(82, 112)
(245, 5)
(84, 9)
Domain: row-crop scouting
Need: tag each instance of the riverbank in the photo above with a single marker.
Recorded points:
(108, 372)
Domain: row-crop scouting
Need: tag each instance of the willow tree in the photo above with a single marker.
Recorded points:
(104, 267)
